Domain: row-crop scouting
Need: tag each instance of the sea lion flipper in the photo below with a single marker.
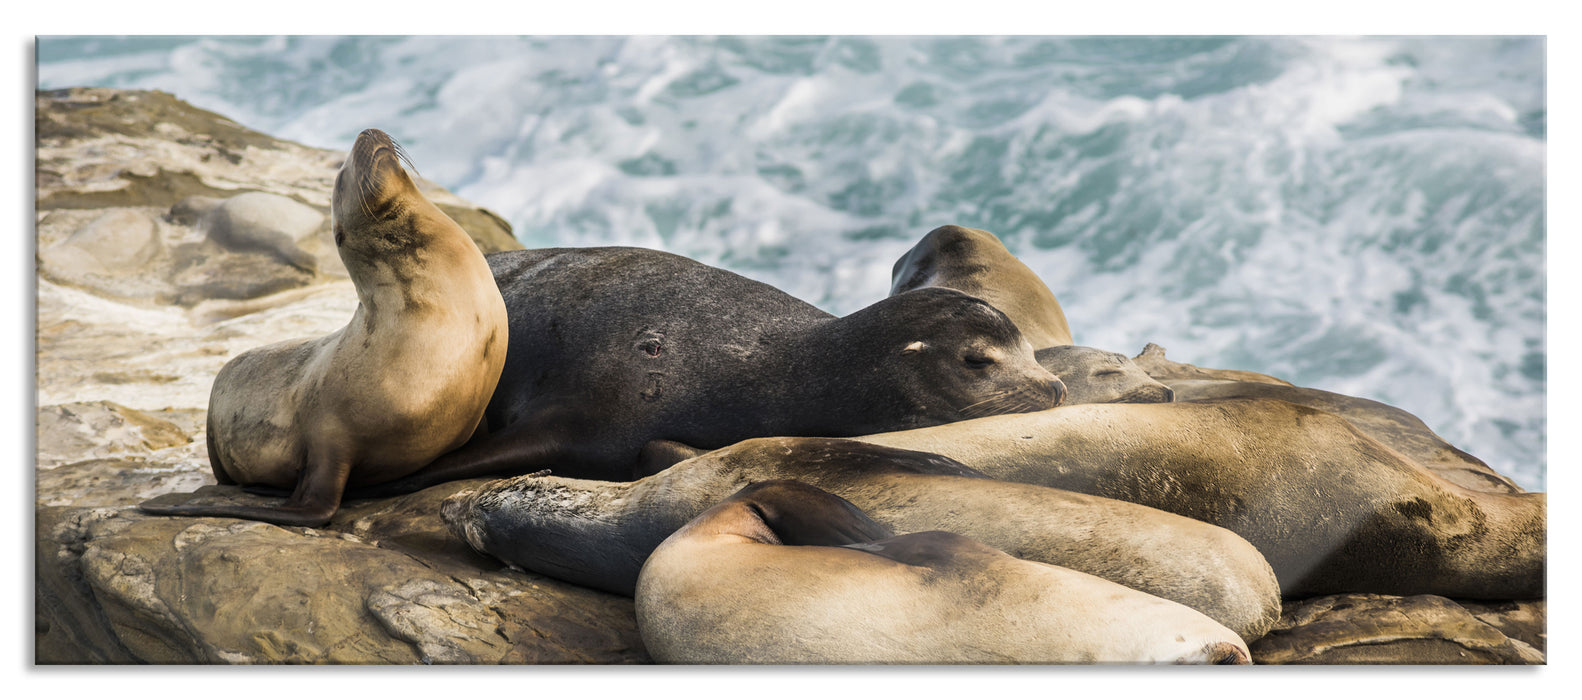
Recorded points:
(933, 549)
(803, 515)
(316, 498)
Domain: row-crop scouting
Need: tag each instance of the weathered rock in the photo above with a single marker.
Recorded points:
(119, 242)
(115, 586)
(96, 429)
(114, 482)
(1523, 620)
(1364, 628)
(246, 211)
(255, 221)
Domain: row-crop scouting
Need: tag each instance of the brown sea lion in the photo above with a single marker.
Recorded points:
(976, 262)
(598, 533)
(404, 382)
(1092, 375)
(1332, 509)
(1390, 425)
(784, 573)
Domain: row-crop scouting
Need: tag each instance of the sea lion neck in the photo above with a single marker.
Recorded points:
(862, 343)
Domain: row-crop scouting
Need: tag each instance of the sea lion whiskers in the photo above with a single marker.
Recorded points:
(367, 187)
(1014, 400)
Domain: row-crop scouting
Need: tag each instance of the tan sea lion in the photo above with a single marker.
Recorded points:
(1332, 509)
(1390, 425)
(598, 533)
(405, 381)
(976, 262)
(784, 573)
(1092, 375)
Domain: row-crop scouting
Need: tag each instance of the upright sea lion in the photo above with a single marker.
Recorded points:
(612, 348)
(405, 381)
(598, 533)
(1332, 509)
(976, 262)
(784, 573)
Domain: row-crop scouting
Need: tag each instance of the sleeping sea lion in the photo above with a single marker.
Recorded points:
(784, 573)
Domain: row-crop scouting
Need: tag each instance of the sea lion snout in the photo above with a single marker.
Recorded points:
(1058, 389)
(1225, 654)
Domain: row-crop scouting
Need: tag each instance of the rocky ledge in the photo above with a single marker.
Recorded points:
(169, 240)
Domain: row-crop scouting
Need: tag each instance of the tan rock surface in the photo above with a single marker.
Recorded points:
(1364, 628)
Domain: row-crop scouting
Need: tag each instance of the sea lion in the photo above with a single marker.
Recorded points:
(546, 524)
(612, 348)
(405, 381)
(1332, 509)
(976, 262)
(1092, 375)
(1390, 425)
(784, 573)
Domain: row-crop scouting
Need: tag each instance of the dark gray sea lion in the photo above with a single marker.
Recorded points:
(784, 573)
(1092, 375)
(405, 381)
(598, 533)
(976, 262)
(613, 348)
(1332, 509)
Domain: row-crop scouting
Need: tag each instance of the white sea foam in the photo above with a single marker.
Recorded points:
(1364, 215)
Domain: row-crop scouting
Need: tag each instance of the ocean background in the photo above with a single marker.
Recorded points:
(1363, 215)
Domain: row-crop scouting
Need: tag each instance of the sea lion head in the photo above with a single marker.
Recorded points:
(953, 252)
(1092, 375)
(957, 357)
(379, 215)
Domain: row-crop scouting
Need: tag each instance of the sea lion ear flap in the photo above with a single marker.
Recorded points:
(916, 347)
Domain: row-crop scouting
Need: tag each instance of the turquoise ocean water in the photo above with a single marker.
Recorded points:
(1358, 214)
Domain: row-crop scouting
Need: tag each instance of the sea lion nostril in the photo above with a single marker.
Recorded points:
(1058, 388)
(1225, 653)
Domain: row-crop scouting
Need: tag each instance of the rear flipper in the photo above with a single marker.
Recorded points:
(315, 500)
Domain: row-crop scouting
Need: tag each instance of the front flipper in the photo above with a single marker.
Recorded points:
(315, 500)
